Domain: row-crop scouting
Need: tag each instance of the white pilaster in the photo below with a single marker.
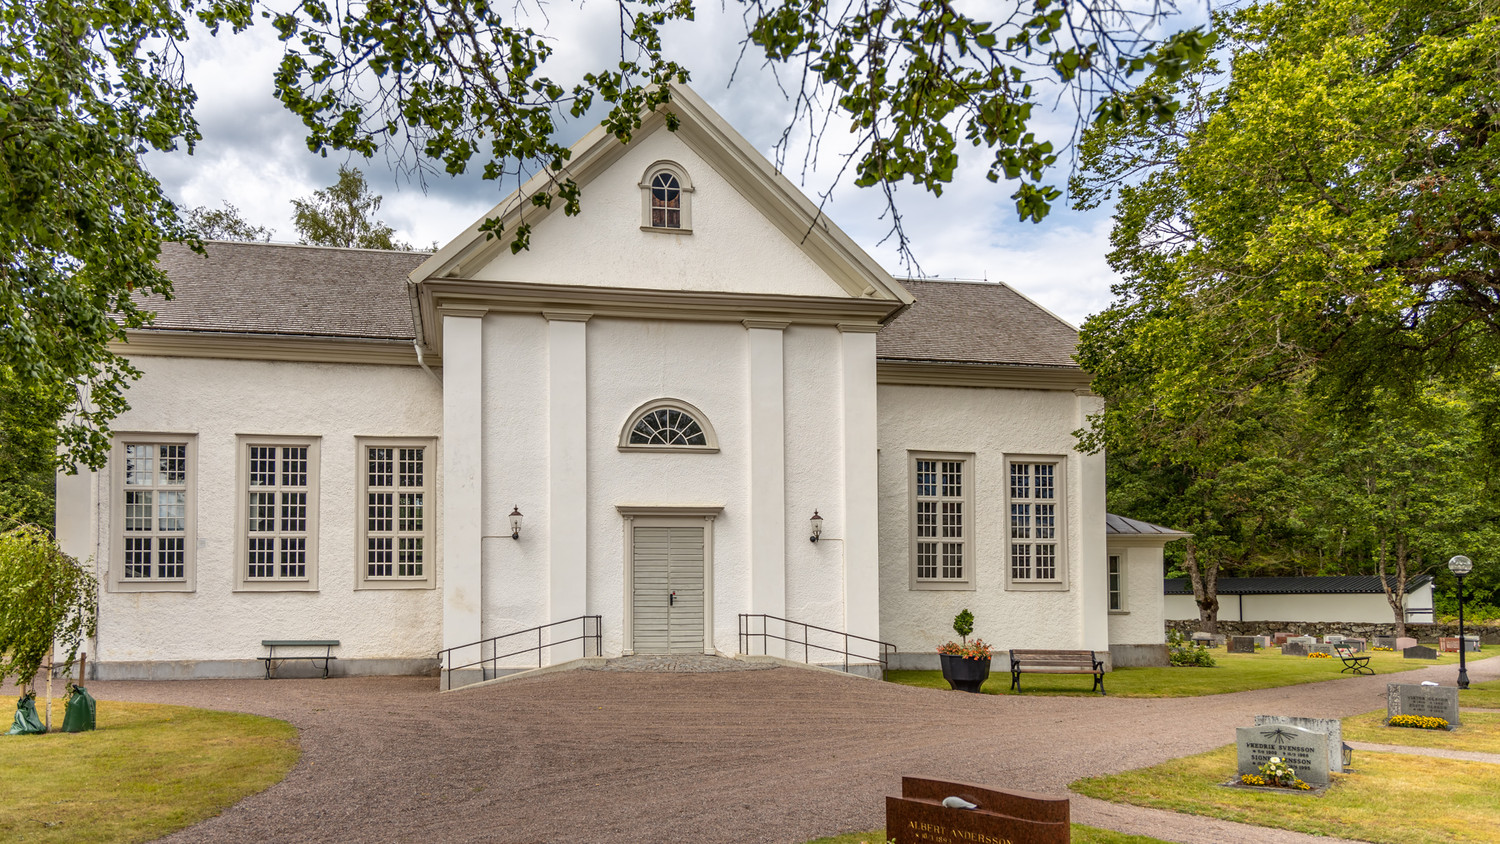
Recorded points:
(463, 461)
(1092, 576)
(767, 473)
(861, 499)
(567, 473)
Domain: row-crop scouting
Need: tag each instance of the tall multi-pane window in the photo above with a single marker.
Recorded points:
(154, 490)
(1035, 529)
(942, 521)
(395, 524)
(1116, 584)
(666, 201)
(278, 511)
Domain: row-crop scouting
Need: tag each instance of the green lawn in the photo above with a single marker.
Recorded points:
(1483, 695)
(1388, 799)
(1081, 835)
(1480, 732)
(147, 771)
(1234, 673)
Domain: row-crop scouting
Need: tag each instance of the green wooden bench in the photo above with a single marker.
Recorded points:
(272, 659)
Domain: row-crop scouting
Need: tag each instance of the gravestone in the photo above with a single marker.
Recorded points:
(1280, 638)
(1355, 645)
(1385, 642)
(1330, 727)
(1333, 639)
(1242, 644)
(1204, 639)
(1304, 750)
(1306, 640)
(1321, 649)
(918, 816)
(1430, 701)
(1405, 642)
(1471, 643)
(1294, 649)
(1448, 644)
(1262, 641)
(1419, 652)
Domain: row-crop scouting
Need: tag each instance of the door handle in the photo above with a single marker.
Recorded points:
(672, 600)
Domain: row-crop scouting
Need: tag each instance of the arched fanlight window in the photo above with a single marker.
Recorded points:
(668, 425)
(666, 199)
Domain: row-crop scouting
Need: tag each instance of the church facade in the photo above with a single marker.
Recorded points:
(693, 401)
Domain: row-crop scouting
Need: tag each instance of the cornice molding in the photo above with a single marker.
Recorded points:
(568, 316)
(771, 324)
(437, 296)
(277, 347)
(950, 374)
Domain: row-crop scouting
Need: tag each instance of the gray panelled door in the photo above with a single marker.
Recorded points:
(668, 598)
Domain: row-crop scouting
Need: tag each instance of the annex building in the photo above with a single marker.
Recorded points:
(636, 419)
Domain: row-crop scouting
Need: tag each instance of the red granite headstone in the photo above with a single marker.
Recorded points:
(918, 816)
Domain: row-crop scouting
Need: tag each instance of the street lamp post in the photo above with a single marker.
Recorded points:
(1460, 566)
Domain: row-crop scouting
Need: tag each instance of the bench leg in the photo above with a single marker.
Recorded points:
(1015, 681)
(1099, 683)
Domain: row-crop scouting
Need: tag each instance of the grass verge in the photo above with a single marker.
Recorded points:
(1484, 695)
(1081, 835)
(147, 770)
(1388, 799)
(1480, 732)
(1234, 673)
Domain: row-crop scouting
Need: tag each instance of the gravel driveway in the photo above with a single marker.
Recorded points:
(779, 755)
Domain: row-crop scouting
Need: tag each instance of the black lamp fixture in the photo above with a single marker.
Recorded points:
(515, 522)
(1460, 566)
(817, 526)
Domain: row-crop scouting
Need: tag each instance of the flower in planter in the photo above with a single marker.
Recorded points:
(976, 649)
(1277, 773)
(1420, 722)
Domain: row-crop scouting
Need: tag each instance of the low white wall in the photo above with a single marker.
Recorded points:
(1367, 607)
(989, 423)
(216, 400)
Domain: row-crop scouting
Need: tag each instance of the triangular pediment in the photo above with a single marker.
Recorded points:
(752, 232)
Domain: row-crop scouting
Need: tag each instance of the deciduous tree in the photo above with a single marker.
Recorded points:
(225, 223)
(343, 214)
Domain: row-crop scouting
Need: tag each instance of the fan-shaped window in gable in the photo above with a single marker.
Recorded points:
(666, 199)
(668, 425)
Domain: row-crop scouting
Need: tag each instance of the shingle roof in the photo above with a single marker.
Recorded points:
(976, 322)
(1124, 526)
(1363, 584)
(266, 288)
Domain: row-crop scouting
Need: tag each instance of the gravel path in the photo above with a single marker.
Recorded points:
(777, 755)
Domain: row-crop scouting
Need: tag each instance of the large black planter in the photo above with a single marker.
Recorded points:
(964, 675)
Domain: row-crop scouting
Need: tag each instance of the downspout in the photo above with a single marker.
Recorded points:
(417, 345)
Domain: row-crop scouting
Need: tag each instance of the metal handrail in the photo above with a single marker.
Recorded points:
(885, 649)
(445, 656)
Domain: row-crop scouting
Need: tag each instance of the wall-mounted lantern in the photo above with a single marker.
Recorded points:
(817, 526)
(515, 522)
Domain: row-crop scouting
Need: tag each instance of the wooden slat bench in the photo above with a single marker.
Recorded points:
(273, 659)
(1055, 662)
(1356, 664)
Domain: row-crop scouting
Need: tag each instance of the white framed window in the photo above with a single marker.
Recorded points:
(666, 199)
(1116, 583)
(153, 540)
(1037, 544)
(276, 547)
(668, 425)
(942, 520)
(396, 509)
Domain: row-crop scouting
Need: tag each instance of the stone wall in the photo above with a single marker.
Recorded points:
(1489, 634)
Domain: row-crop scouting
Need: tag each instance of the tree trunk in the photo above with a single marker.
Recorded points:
(1205, 588)
(1394, 584)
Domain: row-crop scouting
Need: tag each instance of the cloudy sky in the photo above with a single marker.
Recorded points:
(253, 154)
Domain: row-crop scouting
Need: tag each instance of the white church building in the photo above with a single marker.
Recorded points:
(636, 419)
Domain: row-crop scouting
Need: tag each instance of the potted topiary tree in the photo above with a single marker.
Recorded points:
(966, 665)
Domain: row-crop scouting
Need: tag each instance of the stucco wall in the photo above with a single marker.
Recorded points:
(989, 423)
(216, 400)
(1140, 620)
(630, 363)
(1371, 608)
(732, 247)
